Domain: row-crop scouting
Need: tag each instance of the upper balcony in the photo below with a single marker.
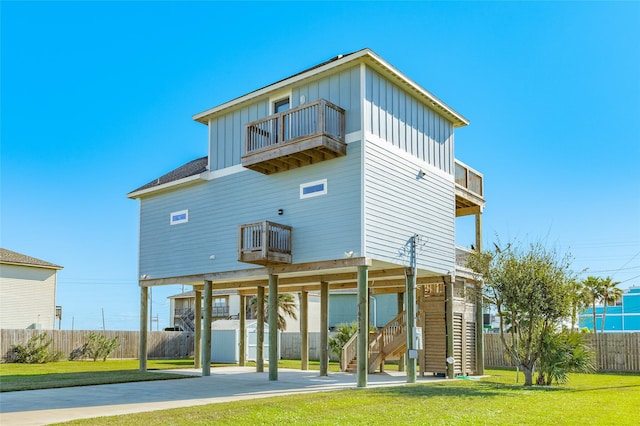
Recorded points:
(469, 190)
(264, 243)
(294, 138)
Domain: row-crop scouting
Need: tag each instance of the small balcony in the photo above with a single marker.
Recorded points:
(305, 135)
(469, 190)
(264, 243)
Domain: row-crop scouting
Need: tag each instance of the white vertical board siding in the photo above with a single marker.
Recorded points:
(400, 119)
(324, 227)
(27, 297)
(399, 205)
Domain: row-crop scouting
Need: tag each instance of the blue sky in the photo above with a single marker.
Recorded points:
(97, 99)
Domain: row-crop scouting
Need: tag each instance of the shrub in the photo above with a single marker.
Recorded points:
(563, 353)
(98, 346)
(344, 332)
(36, 351)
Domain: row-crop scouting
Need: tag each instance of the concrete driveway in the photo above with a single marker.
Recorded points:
(225, 384)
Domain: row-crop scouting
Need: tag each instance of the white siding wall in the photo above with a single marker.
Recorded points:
(27, 297)
(398, 204)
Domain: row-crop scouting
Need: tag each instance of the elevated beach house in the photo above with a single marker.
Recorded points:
(340, 176)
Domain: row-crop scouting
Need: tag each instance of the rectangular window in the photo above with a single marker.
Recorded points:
(179, 217)
(313, 189)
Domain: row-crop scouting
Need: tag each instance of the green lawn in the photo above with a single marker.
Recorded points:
(17, 377)
(604, 399)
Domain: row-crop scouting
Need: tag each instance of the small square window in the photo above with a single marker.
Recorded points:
(313, 189)
(176, 218)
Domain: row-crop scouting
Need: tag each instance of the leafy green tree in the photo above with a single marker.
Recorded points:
(286, 308)
(530, 290)
(610, 293)
(99, 347)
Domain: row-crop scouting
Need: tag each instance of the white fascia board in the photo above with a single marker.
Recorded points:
(168, 185)
(362, 55)
(29, 265)
(203, 117)
(459, 121)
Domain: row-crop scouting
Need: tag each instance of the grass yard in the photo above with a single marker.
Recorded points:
(604, 399)
(18, 377)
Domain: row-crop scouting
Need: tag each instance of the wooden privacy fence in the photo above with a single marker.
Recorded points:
(160, 344)
(619, 352)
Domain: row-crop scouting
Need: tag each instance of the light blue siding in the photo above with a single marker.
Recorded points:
(226, 134)
(342, 89)
(343, 309)
(400, 119)
(226, 131)
(398, 205)
(324, 227)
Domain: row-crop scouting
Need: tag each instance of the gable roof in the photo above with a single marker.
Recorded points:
(367, 56)
(13, 258)
(192, 169)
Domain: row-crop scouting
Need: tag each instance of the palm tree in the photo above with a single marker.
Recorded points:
(286, 308)
(610, 293)
(579, 299)
(593, 288)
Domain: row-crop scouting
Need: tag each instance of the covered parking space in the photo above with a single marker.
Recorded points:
(367, 276)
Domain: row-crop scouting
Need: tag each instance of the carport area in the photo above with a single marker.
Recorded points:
(367, 276)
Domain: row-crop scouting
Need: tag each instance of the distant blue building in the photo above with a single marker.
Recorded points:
(623, 316)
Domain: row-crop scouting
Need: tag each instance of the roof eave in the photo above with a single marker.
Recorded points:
(31, 265)
(456, 118)
(169, 185)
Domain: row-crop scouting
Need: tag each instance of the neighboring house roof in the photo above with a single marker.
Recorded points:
(13, 258)
(189, 170)
(364, 55)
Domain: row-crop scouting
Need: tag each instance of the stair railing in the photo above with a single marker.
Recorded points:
(349, 351)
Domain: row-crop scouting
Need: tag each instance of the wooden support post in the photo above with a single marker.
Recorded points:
(362, 353)
(197, 322)
(479, 330)
(304, 330)
(479, 231)
(448, 307)
(144, 306)
(206, 333)
(324, 328)
(243, 331)
(410, 320)
(260, 330)
(479, 305)
(273, 327)
(402, 358)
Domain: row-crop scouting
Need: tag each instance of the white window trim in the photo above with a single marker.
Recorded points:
(278, 97)
(179, 221)
(315, 193)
